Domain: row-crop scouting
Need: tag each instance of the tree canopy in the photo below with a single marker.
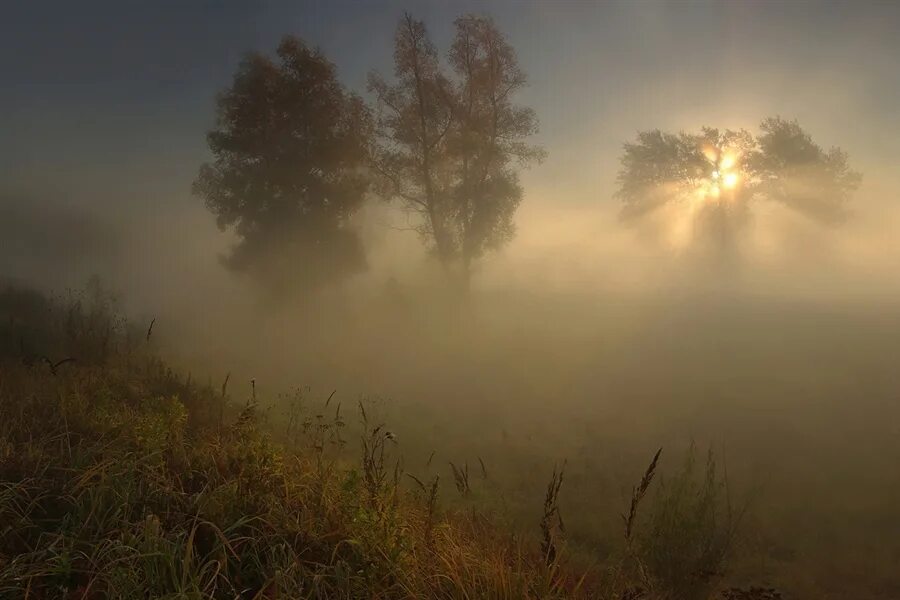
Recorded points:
(290, 154)
(724, 171)
(449, 141)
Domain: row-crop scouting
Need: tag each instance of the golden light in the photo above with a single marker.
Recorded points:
(725, 175)
(717, 186)
(730, 180)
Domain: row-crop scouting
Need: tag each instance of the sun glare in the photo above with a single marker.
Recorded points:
(720, 185)
(730, 180)
(724, 175)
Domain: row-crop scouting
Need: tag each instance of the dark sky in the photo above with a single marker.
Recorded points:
(104, 104)
(114, 88)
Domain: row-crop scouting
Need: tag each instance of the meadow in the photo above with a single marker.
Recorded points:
(525, 466)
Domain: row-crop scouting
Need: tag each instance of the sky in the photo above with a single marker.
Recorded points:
(105, 104)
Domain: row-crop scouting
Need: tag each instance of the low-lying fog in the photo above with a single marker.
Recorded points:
(586, 338)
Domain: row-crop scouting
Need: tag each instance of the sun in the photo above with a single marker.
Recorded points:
(724, 176)
(730, 180)
(719, 186)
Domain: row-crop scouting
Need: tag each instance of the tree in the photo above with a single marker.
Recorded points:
(290, 149)
(790, 168)
(448, 144)
(490, 134)
(414, 120)
(716, 175)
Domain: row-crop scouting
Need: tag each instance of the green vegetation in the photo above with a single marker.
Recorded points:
(121, 478)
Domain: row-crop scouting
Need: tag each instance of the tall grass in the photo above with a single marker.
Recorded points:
(121, 478)
(690, 532)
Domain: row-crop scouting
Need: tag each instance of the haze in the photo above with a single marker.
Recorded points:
(586, 338)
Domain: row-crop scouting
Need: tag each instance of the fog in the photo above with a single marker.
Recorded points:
(587, 338)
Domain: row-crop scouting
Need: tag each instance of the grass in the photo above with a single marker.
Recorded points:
(121, 478)
(691, 531)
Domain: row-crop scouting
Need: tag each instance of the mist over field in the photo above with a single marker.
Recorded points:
(588, 338)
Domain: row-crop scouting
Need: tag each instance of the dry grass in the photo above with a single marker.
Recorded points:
(113, 487)
(120, 478)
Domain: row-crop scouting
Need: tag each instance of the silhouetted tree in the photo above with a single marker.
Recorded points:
(447, 145)
(717, 174)
(414, 120)
(291, 149)
(790, 168)
(490, 133)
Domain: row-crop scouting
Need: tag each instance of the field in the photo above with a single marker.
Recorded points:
(510, 462)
